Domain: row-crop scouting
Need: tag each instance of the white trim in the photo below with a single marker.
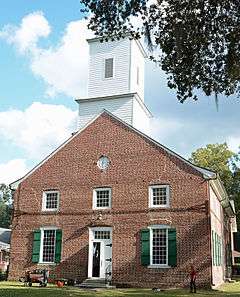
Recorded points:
(133, 95)
(90, 250)
(144, 53)
(207, 174)
(44, 196)
(166, 227)
(150, 196)
(42, 229)
(94, 202)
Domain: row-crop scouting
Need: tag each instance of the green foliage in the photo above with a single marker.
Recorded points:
(219, 158)
(196, 42)
(5, 206)
(216, 157)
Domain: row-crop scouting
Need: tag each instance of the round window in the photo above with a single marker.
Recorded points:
(103, 163)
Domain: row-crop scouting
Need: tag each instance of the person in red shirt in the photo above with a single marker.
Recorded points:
(193, 276)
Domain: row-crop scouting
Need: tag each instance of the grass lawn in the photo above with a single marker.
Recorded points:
(15, 289)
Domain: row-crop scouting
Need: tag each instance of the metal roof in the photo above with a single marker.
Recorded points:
(5, 236)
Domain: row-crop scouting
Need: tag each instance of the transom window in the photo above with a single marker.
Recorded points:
(50, 200)
(102, 198)
(159, 247)
(108, 68)
(102, 234)
(159, 196)
(48, 246)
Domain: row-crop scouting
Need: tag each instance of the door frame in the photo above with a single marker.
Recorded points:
(102, 251)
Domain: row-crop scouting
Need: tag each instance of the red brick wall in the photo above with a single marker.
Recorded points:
(135, 164)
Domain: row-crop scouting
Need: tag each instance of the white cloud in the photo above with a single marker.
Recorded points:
(234, 143)
(64, 67)
(162, 128)
(39, 129)
(12, 170)
(26, 36)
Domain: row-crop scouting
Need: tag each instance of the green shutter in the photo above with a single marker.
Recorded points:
(216, 248)
(236, 241)
(172, 247)
(145, 247)
(220, 250)
(58, 247)
(36, 246)
(213, 248)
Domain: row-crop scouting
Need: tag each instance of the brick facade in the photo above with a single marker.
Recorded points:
(136, 163)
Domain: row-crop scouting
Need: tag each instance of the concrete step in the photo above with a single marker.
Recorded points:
(94, 283)
(235, 277)
(95, 280)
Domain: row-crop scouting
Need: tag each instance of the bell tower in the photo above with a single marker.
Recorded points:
(116, 67)
(116, 82)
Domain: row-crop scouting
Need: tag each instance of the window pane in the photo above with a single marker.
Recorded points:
(138, 75)
(109, 68)
(101, 234)
(48, 245)
(159, 196)
(52, 200)
(159, 246)
(103, 198)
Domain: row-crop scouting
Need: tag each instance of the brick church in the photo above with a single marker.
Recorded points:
(112, 203)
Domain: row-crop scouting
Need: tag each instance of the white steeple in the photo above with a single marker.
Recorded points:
(116, 67)
(115, 82)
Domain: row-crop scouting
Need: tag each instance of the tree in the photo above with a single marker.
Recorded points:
(5, 206)
(216, 157)
(219, 158)
(196, 42)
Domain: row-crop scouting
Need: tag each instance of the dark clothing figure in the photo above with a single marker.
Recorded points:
(193, 286)
(27, 276)
(193, 275)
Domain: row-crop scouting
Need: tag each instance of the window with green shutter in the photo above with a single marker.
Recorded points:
(36, 246)
(58, 246)
(216, 249)
(172, 247)
(159, 246)
(145, 247)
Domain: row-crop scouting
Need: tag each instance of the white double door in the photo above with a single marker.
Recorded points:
(100, 252)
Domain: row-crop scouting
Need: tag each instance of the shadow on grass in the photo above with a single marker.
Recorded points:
(18, 290)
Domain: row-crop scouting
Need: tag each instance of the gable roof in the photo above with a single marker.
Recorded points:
(206, 173)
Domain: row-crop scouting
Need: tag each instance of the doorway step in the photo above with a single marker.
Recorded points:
(95, 283)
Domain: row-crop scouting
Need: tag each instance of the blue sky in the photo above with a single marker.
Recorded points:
(43, 66)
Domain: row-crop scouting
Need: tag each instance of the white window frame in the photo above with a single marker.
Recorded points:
(150, 196)
(44, 200)
(151, 246)
(41, 244)
(104, 64)
(95, 198)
